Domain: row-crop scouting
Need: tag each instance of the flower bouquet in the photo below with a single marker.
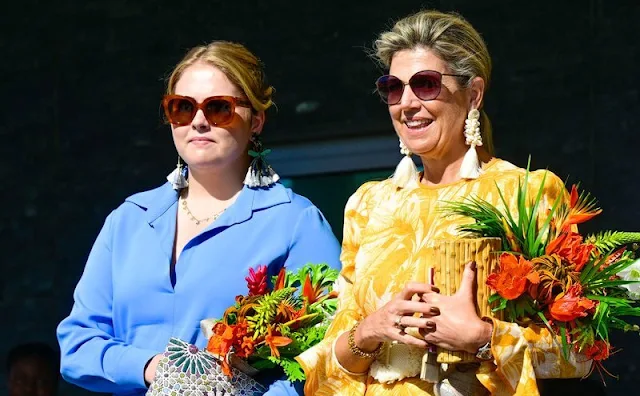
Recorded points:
(264, 329)
(270, 326)
(549, 274)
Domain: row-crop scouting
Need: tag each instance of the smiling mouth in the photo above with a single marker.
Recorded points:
(418, 124)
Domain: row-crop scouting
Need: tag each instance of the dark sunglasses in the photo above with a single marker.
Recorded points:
(218, 110)
(425, 84)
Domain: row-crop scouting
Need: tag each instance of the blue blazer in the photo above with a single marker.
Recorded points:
(127, 305)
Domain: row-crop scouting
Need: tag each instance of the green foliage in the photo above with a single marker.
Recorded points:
(610, 240)
(522, 233)
(266, 309)
(292, 369)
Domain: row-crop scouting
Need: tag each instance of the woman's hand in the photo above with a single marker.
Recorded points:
(458, 327)
(150, 369)
(388, 323)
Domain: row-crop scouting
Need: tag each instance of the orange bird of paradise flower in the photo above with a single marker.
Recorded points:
(581, 208)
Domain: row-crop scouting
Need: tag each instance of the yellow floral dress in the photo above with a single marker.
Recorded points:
(388, 240)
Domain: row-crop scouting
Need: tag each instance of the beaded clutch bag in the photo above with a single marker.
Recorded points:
(186, 370)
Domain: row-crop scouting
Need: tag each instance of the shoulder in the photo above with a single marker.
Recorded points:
(148, 198)
(505, 172)
(371, 192)
(282, 200)
(151, 202)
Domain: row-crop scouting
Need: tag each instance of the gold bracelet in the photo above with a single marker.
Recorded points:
(359, 352)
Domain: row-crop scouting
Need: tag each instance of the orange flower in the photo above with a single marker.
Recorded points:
(581, 208)
(285, 312)
(598, 351)
(613, 257)
(312, 293)
(570, 305)
(221, 342)
(275, 341)
(241, 329)
(511, 279)
(569, 246)
(281, 280)
(246, 348)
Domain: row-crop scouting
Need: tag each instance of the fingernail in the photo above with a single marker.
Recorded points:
(434, 310)
(472, 265)
(435, 289)
(430, 325)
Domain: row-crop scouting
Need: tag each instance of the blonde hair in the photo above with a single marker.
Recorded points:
(451, 38)
(241, 66)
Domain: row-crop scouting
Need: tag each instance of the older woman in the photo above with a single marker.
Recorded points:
(169, 257)
(439, 70)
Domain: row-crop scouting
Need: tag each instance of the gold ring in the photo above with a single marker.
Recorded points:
(399, 322)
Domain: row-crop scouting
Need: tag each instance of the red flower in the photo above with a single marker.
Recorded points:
(570, 305)
(510, 281)
(569, 246)
(257, 281)
(598, 351)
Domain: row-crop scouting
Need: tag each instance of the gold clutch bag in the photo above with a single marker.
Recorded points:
(450, 258)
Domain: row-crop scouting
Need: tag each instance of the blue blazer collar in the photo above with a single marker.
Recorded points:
(157, 202)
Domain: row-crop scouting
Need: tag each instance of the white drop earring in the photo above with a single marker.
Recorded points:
(260, 173)
(471, 167)
(406, 174)
(177, 177)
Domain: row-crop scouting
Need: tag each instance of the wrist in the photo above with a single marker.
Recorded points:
(485, 332)
(363, 341)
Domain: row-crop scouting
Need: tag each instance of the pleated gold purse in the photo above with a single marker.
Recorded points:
(450, 258)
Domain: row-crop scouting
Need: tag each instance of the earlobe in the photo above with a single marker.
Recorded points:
(257, 122)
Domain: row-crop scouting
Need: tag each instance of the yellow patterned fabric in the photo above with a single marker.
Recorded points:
(389, 235)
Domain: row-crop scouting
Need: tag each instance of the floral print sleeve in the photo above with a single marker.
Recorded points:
(325, 376)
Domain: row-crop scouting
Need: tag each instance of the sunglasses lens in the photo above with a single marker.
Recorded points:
(219, 111)
(180, 111)
(426, 84)
(390, 89)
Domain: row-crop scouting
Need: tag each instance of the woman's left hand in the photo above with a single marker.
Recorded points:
(458, 327)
